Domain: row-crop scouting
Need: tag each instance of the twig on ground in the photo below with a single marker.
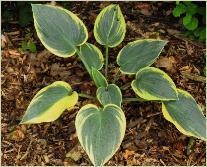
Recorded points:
(199, 158)
(188, 40)
(154, 114)
(194, 77)
(27, 151)
(117, 75)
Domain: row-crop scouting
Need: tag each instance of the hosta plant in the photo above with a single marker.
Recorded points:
(101, 130)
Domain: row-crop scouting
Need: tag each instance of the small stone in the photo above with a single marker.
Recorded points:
(75, 154)
(17, 135)
(46, 158)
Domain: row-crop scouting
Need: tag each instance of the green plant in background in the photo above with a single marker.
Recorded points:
(101, 130)
(194, 18)
(24, 13)
(20, 11)
(28, 44)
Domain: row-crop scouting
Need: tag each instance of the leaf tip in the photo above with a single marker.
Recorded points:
(22, 121)
(35, 5)
(116, 5)
(164, 42)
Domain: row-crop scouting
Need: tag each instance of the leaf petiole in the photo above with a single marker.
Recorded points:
(133, 99)
(126, 86)
(107, 62)
(86, 96)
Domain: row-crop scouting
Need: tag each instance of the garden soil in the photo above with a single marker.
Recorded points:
(149, 138)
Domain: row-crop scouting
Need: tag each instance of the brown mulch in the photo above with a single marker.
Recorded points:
(149, 138)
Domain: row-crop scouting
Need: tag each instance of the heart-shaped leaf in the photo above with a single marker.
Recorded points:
(49, 103)
(91, 56)
(154, 84)
(98, 78)
(59, 30)
(100, 131)
(187, 19)
(110, 26)
(109, 95)
(192, 25)
(138, 54)
(192, 8)
(186, 115)
(179, 9)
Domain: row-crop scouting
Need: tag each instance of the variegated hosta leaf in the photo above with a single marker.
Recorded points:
(91, 56)
(100, 131)
(59, 30)
(138, 54)
(49, 103)
(109, 95)
(186, 115)
(98, 78)
(110, 27)
(154, 84)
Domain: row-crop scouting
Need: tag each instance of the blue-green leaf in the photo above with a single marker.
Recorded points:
(186, 115)
(100, 131)
(91, 56)
(98, 78)
(49, 103)
(59, 30)
(153, 84)
(110, 27)
(109, 95)
(138, 54)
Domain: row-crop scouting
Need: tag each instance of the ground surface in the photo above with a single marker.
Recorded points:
(149, 139)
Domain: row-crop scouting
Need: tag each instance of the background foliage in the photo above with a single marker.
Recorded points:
(193, 16)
